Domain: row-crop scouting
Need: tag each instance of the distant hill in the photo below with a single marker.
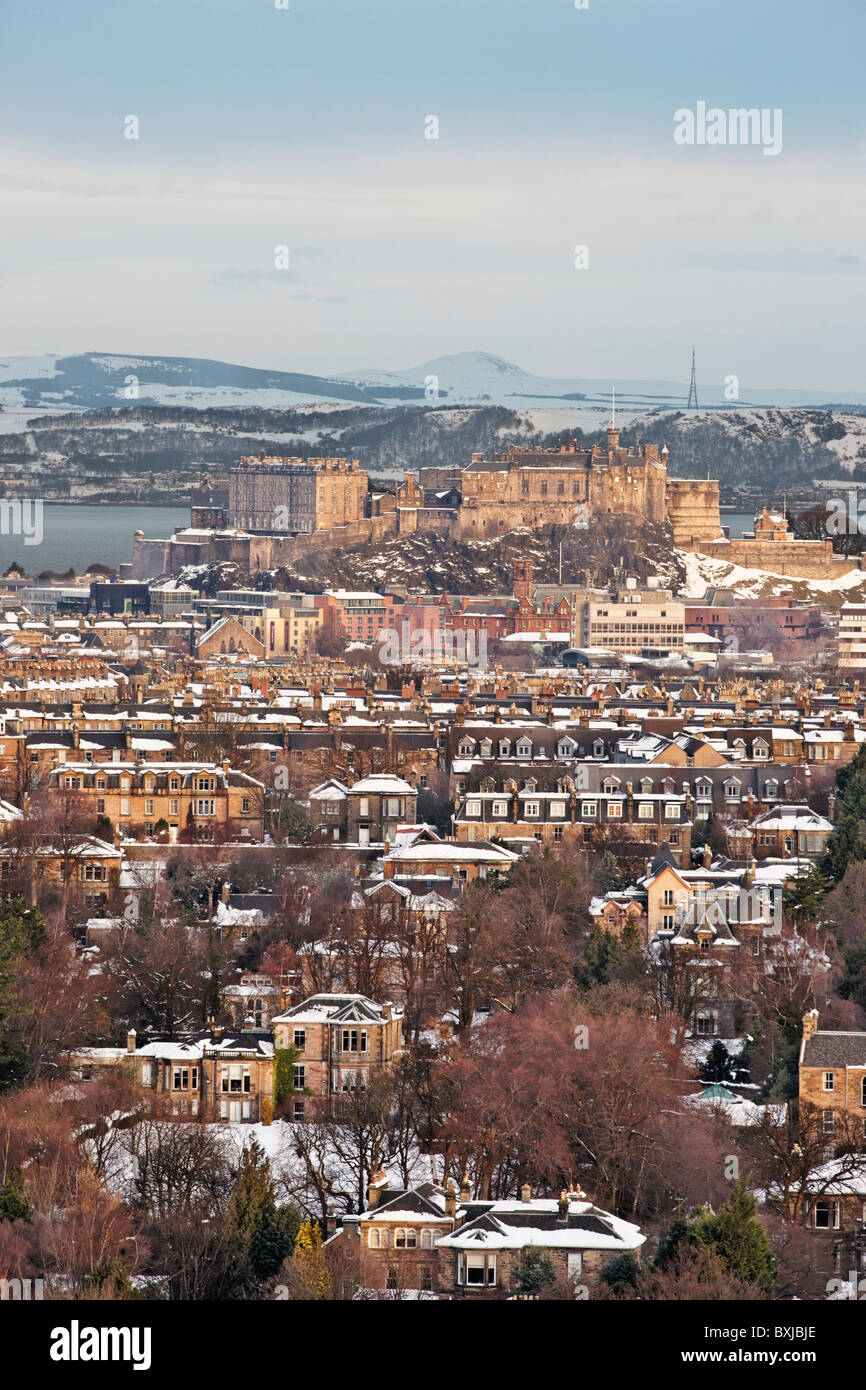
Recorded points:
(92, 380)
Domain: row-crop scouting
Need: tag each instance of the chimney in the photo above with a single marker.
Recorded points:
(708, 856)
(331, 1221)
(526, 1193)
(224, 891)
(465, 1190)
(451, 1200)
(378, 1181)
(130, 1040)
(562, 1219)
(810, 1024)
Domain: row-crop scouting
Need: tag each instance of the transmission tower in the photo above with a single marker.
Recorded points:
(693, 387)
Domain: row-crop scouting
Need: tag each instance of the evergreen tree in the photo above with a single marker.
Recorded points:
(535, 1271)
(738, 1240)
(719, 1065)
(848, 840)
(733, 1235)
(603, 953)
(264, 1233)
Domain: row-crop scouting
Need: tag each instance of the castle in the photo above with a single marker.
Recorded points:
(274, 511)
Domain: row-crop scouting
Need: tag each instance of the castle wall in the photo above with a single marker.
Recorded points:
(799, 559)
(693, 510)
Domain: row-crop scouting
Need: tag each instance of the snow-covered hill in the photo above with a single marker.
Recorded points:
(91, 380)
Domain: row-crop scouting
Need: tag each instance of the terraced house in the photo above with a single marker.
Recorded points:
(198, 801)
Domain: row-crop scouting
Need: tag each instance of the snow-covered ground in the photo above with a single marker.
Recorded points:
(704, 572)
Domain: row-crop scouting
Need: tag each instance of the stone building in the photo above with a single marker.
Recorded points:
(481, 1258)
(296, 495)
(338, 1039)
(833, 1075)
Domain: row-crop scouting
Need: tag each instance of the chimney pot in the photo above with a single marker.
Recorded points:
(526, 1193)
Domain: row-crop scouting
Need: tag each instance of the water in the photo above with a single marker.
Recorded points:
(739, 522)
(80, 536)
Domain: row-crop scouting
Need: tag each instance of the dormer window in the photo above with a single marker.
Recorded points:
(505, 747)
(486, 748)
(760, 750)
(646, 784)
(564, 748)
(598, 748)
(524, 748)
(465, 747)
(771, 789)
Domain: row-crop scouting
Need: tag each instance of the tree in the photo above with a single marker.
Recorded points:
(718, 1065)
(847, 842)
(306, 1273)
(534, 1271)
(264, 1233)
(739, 1241)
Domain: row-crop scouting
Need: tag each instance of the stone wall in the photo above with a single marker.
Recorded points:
(799, 559)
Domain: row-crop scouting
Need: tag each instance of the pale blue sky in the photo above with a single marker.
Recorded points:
(305, 127)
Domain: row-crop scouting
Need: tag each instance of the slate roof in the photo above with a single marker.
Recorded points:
(835, 1050)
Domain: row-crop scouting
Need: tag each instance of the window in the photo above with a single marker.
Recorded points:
(204, 807)
(246, 806)
(298, 1112)
(300, 1039)
(827, 1216)
(668, 897)
(364, 806)
(473, 808)
(426, 1240)
(829, 1121)
(672, 810)
(148, 806)
(532, 808)
(395, 806)
(829, 1081)
(645, 810)
(557, 810)
(425, 1278)
(499, 810)
(354, 1040)
(300, 1073)
(863, 1092)
(614, 810)
(373, 1238)
(589, 809)
(478, 1268)
(405, 1238)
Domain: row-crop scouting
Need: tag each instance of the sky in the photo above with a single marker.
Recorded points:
(306, 128)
